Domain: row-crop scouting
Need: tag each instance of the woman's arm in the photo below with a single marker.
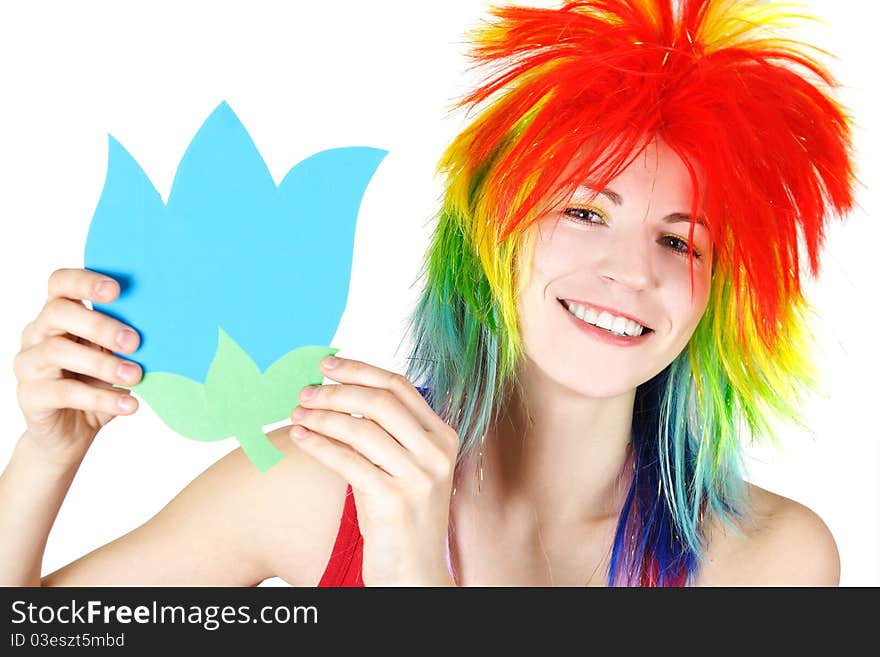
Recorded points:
(231, 526)
(203, 536)
(32, 489)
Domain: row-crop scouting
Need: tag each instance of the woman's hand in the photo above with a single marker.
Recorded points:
(399, 459)
(66, 368)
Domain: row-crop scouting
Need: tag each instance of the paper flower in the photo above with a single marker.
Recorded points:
(236, 284)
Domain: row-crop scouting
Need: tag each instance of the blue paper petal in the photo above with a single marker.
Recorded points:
(270, 265)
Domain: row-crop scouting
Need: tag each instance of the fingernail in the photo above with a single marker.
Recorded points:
(330, 362)
(307, 392)
(299, 432)
(127, 371)
(126, 403)
(104, 287)
(126, 339)
(299, 413)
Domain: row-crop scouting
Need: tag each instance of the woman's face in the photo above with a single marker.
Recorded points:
(621, 257)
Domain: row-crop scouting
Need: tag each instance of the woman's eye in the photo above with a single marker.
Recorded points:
(585, 216)
(678, 245)
(592, 217)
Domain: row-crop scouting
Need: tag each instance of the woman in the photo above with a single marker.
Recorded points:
(612, 304)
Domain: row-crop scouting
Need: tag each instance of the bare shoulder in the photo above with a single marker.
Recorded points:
(780, 543)
(289, 515)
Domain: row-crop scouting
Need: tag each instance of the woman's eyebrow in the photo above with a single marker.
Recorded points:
(675, 217)
(617, 199)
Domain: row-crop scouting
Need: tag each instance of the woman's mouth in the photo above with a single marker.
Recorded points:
(610, 324)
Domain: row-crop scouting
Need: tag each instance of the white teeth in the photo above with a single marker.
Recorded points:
(607, 321)
(618, 325)
(633, 328)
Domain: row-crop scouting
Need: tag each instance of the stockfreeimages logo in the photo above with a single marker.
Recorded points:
(210, 617)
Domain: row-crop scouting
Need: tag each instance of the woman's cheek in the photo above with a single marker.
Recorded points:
(689, 304)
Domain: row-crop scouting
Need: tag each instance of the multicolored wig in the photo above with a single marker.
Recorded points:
(769, 154)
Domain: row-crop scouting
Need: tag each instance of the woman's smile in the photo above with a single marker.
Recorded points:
(611, 319)
(610, 328)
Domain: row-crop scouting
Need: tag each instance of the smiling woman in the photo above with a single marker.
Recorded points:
(604, 360)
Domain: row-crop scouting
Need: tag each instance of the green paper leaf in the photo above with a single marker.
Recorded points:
(181, 403)
(235, 400)
(283, 380)
(233, 383)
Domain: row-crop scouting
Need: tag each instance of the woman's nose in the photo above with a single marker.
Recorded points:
(628, 262)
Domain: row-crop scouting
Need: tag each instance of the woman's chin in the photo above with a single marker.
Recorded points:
(595, 385)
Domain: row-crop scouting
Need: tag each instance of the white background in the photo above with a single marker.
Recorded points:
(303, 77)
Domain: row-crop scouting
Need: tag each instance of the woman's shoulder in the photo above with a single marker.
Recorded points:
(293, 510)
(779, 542)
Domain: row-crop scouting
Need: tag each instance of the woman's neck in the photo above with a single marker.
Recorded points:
(558, 456)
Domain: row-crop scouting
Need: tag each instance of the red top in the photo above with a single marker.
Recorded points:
(344, 566)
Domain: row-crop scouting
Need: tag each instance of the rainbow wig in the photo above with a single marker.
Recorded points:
(593, 83)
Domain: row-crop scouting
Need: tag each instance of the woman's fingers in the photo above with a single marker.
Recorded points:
(345, 461)
(64, 312)
(391, 401)
(56, 353)
(67, 365)
(363, 435)
(354, 371)
(385, 410)
(61, 316)
(82, 284)
(51, 394)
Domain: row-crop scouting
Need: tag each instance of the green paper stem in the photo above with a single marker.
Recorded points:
(259, 449)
